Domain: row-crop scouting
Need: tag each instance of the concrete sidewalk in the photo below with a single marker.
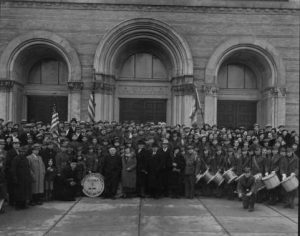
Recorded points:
(149, 217)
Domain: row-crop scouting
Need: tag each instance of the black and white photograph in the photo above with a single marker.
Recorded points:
(149, 117)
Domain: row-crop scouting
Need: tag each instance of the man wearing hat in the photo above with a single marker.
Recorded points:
(72, 128)
(165, 155)
(246, 189)
(111, 170)
(189, 172)
(21, 179)
(156, 168)
(272, 166)
(38, 171)
(11, 154)
(142, 156)
(289, 168)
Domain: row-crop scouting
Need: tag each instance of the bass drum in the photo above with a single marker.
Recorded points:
(93, 185)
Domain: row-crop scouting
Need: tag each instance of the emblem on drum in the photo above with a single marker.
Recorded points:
(93, 185)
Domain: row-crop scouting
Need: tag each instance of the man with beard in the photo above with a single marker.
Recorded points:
(21, 178)
(141, 170)
(111, 170)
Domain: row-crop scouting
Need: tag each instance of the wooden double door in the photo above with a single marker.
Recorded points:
(233, 114)
(40, 108)
(143, 110)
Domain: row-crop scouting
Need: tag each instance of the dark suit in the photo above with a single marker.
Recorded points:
(167, 169)
(246, 185)
(141, 171)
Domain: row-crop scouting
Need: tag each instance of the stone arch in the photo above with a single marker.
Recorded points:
(261, 47)
(54, 41)
(143, 29)
(271, 98)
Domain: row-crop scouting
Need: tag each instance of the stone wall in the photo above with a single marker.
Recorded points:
(203, 27)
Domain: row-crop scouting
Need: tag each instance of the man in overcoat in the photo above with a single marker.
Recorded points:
(22, 179)
(38, 172)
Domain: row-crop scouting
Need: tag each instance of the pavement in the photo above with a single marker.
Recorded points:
(149, 217)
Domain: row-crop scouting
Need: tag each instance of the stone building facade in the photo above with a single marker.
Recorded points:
(144, 60)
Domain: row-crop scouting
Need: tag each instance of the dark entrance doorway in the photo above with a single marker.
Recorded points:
(232, 114)
(40, 108)
(143, 110)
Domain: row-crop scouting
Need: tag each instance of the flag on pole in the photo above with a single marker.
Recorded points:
(196, 107)
(91, 107)
(54, 121)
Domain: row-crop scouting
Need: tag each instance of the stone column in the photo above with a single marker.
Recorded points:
(74, 103)
(273, 106)
(183, 99)
(6, 99)
(210, 103)
(104, 86)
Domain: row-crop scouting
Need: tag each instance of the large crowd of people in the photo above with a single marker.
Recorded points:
(144, 160)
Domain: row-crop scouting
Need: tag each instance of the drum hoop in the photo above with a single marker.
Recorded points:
(289, 178)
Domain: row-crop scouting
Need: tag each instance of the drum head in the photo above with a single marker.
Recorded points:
(93, 185)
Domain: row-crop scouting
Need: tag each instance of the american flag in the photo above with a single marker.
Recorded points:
(196, 107)
(54, 121)
(91, 107)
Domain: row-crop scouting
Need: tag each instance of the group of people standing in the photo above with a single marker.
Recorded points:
(145, 160)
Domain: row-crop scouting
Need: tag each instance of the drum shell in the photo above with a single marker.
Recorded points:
(218, 179)
(229, 176)
(208, 177)
(271, 181)
(290, 184)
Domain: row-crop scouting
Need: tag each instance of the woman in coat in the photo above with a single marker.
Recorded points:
(22, 179)
(128, 173)
(38, 172)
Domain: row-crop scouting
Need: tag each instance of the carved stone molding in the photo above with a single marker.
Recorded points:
(211, 90)
(183, 89)
(107, 88)
(275, 91)
(163, 8)
(142, 90)
(75, 85)
(6, 85)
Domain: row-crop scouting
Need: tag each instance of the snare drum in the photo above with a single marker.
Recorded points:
(291, 183)
(208, 176)
(218, 178)
(271, 181)
(229, 175)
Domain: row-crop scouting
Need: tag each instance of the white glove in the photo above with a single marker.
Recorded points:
(293, 174)
(273, 172)
(249, 194)
(267, 173)
(283, 176)
(240, 195)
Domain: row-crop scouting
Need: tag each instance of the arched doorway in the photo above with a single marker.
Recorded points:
(238, 95)
(143, 64)
(245, 84)
(143, 68)
(41, 68)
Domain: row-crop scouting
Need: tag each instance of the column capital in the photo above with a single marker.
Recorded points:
(104, 87)
(6, 85)
(276, 91)
(75, 85)
(183, 89)
(210, 89)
